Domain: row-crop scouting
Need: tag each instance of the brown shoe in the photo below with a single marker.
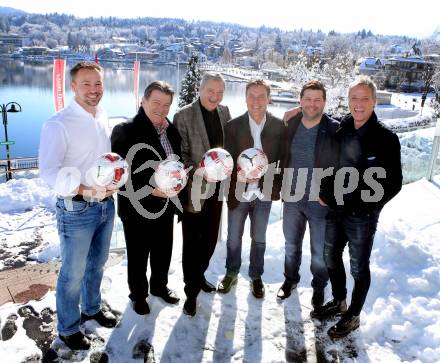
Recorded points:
(344, 326)
(257, 288)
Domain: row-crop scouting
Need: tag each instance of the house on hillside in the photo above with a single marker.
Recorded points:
(406, 73)
(370, 65)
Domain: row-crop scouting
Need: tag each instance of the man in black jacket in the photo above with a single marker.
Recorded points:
(310, 147)
(147, 214)
(369, 151)
(256, 128)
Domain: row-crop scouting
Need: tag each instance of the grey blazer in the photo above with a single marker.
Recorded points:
(189, 122)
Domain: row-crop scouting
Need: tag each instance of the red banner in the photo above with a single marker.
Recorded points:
(136, 69)
(59, 66)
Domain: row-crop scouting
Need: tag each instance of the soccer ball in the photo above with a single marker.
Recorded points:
(252, 163)
(217, 164)
(170, 177)
(110, 171)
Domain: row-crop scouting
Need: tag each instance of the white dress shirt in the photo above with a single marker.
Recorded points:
(70, 142)
(256, 130)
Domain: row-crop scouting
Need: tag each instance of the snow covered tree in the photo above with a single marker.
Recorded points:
(300, 72)
(336, 74)
(191, 82)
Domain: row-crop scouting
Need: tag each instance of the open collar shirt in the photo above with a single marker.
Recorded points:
(70, 142)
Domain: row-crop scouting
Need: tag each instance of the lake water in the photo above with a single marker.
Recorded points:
(30, 84)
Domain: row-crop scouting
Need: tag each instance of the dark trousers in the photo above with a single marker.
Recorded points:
(148, 238)
(358, 231)
(200, 233)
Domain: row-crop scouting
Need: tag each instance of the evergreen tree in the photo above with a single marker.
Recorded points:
(278, 45)
(191, 82)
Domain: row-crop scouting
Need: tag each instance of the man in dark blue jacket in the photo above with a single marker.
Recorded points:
(369, 175)
(310, 147)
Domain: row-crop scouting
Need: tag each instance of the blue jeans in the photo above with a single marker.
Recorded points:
(358, 231)
(295, 217)
(85, 230)
(258, 212)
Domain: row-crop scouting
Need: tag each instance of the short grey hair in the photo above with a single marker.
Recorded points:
(363, 81)
(210, 76)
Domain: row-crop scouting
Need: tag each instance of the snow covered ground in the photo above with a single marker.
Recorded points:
(400, 320)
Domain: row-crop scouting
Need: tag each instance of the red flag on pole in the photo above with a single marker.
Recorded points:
(136, 69)
(96, 58)
(59, 66)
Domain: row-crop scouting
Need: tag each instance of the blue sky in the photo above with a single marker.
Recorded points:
(405, 17)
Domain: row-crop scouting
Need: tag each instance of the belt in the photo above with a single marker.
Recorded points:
(80, 198)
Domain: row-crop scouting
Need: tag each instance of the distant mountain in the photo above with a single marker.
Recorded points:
(4, 10)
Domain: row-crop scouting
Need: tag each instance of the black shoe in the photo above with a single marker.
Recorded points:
(332, 308)
(140, 307)
(77, 341)
(190, 307)
(317, 298)
(168, 296)
(207, 286)
(257, 288)
(104, 319)
(345, 326)
(286, 289)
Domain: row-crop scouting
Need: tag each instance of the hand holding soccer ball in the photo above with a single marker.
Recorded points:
(217, 164)
(170, 177)
(109, 171)
(252, 164)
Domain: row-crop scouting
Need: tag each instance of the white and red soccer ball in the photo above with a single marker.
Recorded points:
(217, 164)
(252, 163)
(170, 177)
(110, 171)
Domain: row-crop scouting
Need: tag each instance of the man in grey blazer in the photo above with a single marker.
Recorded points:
(256, 128)
(201, 126)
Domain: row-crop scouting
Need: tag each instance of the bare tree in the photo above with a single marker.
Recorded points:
(430, 74)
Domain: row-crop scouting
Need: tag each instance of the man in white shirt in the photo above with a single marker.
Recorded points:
(70, 142)
(259, 129)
